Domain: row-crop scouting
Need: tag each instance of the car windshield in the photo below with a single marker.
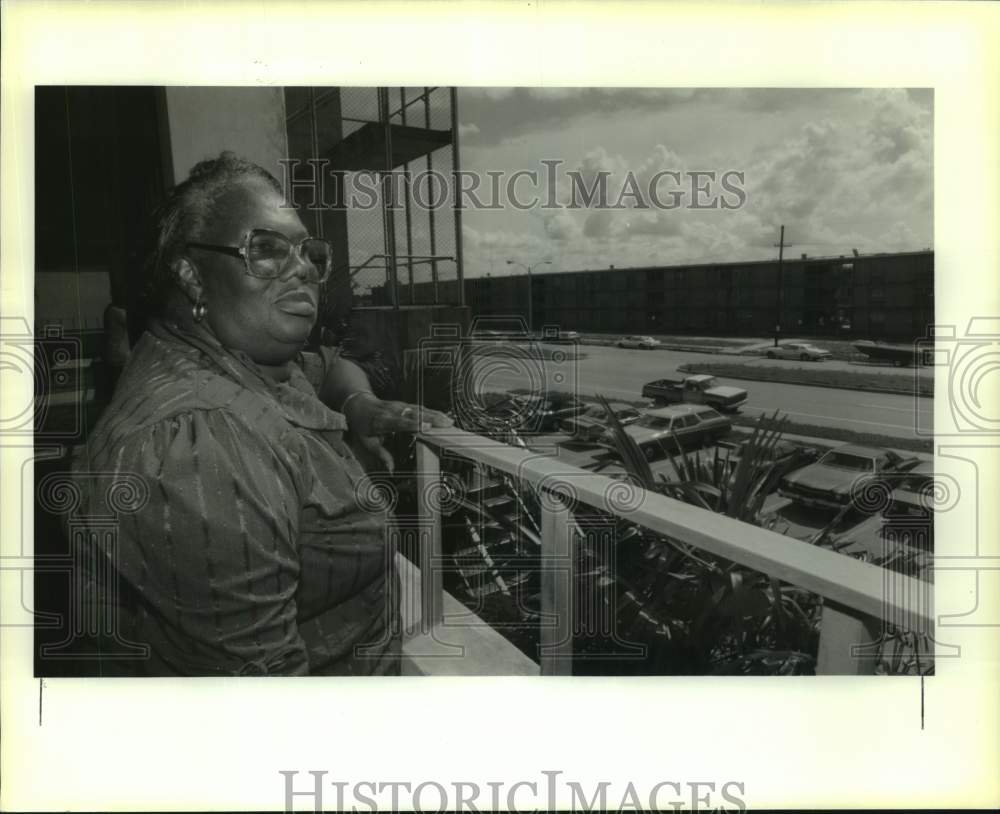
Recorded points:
(843, 460)
(706, 414)
(653, 422)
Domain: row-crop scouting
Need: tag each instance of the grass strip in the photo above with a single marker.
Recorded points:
(845, 436)
(840, 379)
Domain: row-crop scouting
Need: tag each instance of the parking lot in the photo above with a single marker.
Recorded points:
(859, 531)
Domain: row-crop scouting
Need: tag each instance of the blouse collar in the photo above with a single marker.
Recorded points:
(294, 395)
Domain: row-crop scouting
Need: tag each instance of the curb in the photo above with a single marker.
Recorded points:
(830, 443)
(717, 350)
(892, 391)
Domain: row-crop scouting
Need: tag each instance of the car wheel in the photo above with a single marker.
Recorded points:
(770, 354)
(804, 357)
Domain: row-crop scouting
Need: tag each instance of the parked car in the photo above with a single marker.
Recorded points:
(918, 480)
(680, 426)
(904, 526)
(640, 342)
(566, 336)
(798, 350)
(830, 482)
(561, 336)
(544, 412)
(786, 456)
(697, 389)
(496, 328)
(516, 335)
(591, 424)
(899, 355)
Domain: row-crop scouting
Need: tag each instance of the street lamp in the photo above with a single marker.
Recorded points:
(528, 269)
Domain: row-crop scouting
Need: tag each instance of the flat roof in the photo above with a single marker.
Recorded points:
(788, 261)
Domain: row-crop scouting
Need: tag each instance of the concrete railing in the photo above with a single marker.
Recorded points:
(861, 601)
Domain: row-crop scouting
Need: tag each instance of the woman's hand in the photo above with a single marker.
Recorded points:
(370, 418)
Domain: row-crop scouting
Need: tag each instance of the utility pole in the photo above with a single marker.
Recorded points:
(780, 245)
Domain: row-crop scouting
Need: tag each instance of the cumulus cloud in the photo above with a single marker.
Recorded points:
(510, 112)
(488, 250)
(466, 130)
(839, 169)
(561, 226)
(601, 224)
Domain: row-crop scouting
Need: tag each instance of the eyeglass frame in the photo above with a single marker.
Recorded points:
(242, 251)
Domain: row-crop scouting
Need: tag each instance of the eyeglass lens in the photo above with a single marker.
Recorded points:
(268, 254)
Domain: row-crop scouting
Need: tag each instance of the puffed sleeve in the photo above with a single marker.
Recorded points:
(316, 365)
(212, 555)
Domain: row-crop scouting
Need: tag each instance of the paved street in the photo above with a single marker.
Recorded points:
(620, 373)
(741, 359)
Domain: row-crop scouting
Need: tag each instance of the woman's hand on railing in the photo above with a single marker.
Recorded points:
(370, 418)
(398, 416)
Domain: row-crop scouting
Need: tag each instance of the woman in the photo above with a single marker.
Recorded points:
(250, 553)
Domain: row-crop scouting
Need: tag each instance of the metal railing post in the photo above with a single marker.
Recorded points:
(431, 582)
(556, 635)
(388, 211)
(843, 633)
(455, 167)
(430, 209)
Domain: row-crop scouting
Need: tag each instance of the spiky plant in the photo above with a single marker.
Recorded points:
(734, 618)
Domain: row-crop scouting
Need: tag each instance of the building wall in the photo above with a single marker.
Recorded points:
(888, 296)
(205, 121)
(73, 299)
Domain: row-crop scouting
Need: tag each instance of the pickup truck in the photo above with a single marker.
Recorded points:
(697, 389)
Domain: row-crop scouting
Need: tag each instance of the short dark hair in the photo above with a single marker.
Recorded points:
(183, 217)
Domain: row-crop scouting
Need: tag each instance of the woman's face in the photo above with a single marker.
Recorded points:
(268, 319)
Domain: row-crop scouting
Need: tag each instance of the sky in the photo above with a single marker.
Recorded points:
(842, 169)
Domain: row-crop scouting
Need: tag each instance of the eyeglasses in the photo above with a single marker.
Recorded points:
(267, 253)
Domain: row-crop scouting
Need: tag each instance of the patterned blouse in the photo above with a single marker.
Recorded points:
(255, 551)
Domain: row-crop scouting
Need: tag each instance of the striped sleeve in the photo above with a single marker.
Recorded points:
(213, 552)
(316, 364)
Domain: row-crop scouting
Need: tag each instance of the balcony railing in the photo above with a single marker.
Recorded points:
(861, 603)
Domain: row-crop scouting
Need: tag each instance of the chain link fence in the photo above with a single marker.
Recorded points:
(415, 237)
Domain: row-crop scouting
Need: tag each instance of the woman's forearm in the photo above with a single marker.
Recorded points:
(345, 388)
(343, 379)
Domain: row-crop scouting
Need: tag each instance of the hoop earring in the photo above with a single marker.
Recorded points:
(198, 311)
